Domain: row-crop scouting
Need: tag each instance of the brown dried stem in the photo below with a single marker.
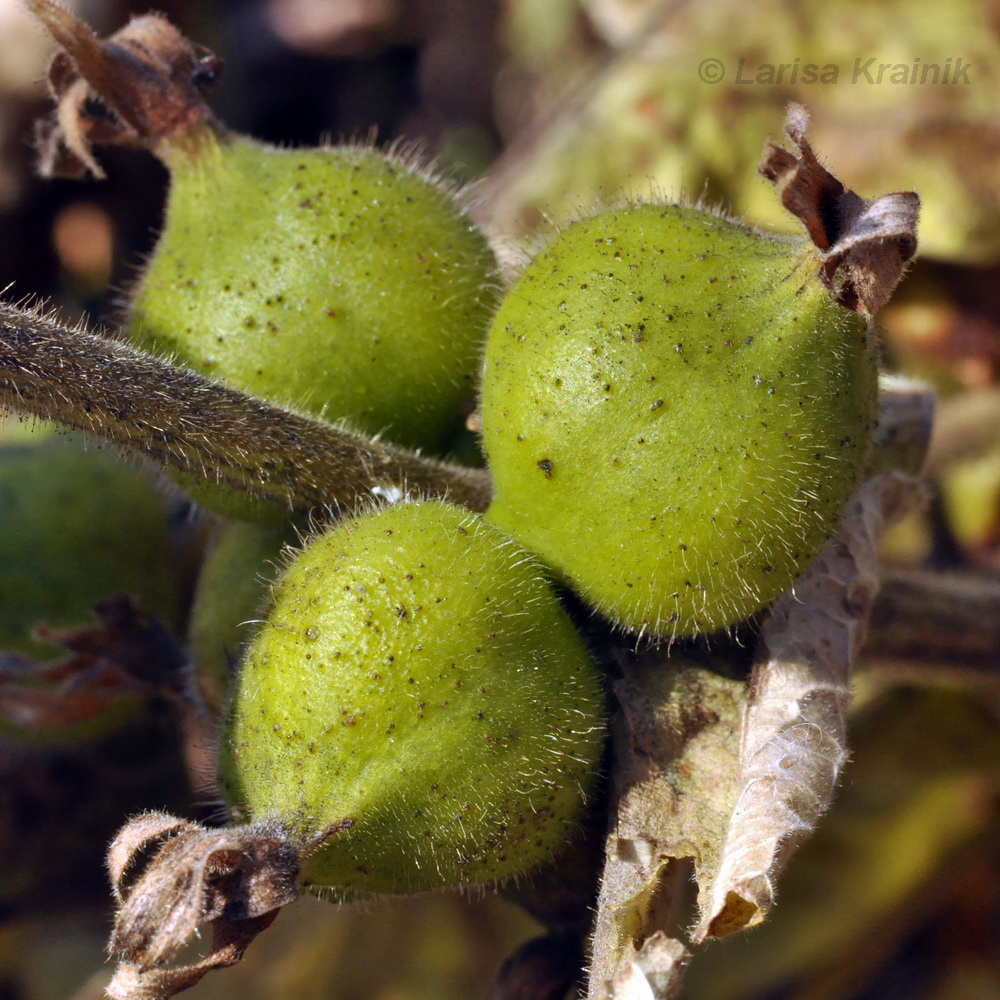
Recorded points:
(205, 430)
(934, 621)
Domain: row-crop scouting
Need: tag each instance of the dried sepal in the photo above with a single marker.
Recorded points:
(139, 86)
(864, 245)
(127, 653)
(236, 879)
(132, 842)
(229, 942)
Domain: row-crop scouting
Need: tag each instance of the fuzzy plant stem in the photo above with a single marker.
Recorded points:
(205, 430)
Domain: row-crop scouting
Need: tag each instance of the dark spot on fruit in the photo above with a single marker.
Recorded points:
(545, 465)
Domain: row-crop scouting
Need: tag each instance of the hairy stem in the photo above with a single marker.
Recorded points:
(202, 429)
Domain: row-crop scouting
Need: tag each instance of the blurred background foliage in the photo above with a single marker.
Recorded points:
(552, 107)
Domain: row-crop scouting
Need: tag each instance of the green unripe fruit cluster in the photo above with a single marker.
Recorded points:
(342, 281)
(675, 411)
(418, 694)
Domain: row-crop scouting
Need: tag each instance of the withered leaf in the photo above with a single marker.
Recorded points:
(794, 740)
(734, 779)
(675, 772)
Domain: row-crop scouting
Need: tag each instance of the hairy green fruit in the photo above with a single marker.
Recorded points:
(232, 587)
(78, 526)
(675, 410)
(343, 281)
(418, 707)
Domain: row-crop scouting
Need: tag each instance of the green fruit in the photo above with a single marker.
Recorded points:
(232, 587)
(78, 526)
(342, 280)
(674, 411)
(418, 707)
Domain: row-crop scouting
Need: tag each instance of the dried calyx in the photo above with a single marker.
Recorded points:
(138, 87)
(864, 245)
(237, 879)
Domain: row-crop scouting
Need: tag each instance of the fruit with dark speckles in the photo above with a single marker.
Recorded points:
(675, 411)
(342, 280)
(418, 707)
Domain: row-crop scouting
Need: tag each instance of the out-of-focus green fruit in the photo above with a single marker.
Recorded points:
(674, 411)
(418, 707)
(78, 526)
(232, 588)
(341, 280)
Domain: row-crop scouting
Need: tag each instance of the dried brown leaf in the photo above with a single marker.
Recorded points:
(127, 653)
(684, 784)
(794, 740)
(675, 784)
